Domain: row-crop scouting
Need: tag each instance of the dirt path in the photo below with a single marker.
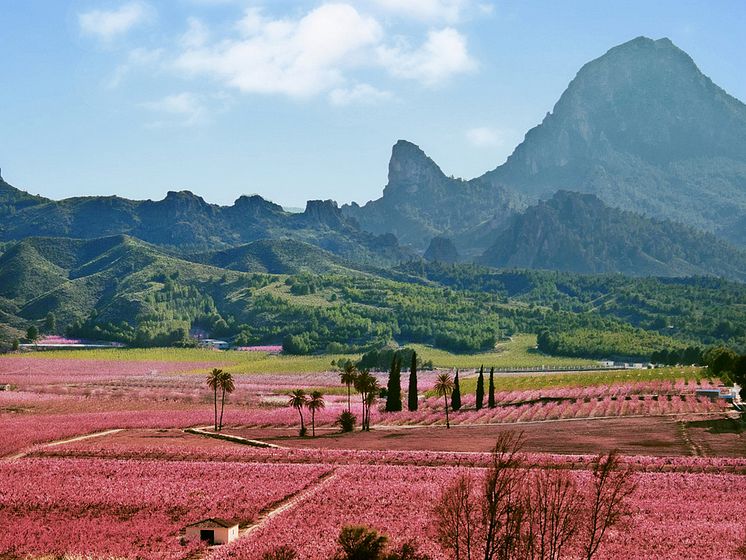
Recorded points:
(278, 508)
(694, 447)
(63, 441)
(230, 438)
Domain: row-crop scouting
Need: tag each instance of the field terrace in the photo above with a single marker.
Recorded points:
(131, 493)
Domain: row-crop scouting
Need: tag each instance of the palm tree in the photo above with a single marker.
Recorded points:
(443, 387)
(367, 385)
(226, 386)
(298, 400)
(347, 376)
(316, 402)
(213, 382)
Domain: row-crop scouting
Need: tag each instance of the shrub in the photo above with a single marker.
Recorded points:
(346, 421)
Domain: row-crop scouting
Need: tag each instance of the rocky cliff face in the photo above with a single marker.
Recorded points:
(640, 127)
(420, 202)
(645, 130)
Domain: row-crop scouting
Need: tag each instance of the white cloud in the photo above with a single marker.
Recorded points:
(184, 108)
(196, 35)
(107, 25)
(360, 94)
(295, 57)
(450, 11)
(484, 137)
(136, 58)
(442, 55)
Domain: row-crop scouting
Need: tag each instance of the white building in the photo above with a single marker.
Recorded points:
(213, 531)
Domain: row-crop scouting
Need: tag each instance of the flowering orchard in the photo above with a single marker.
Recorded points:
(131, 508)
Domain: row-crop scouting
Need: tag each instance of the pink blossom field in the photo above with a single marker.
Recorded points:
(130, 494)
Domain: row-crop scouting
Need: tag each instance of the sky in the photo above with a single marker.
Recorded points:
(299, 100)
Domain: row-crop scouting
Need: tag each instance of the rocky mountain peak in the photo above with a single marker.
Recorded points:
(410, 167)
(324, 212)
(255, 205)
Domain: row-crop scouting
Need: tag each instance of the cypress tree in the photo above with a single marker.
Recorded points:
(393, 389)
(491, 397)
(456, 395)
(480, 389)
(412, 395)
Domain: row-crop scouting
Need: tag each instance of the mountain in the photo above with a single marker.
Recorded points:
(282, 256)
(183, 222)
(420, 202)
(643, 129)
(640, 127)
(579, 233)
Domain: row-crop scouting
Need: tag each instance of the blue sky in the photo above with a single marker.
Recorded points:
(304, 99)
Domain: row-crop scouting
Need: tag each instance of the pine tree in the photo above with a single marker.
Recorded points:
(393, 389)
(480, 389)
(491, 397)
(412, 394)
(456, 395)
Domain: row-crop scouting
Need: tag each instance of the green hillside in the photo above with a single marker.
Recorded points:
(120, 288)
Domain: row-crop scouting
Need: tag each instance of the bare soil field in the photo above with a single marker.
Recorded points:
(632, 436)
(723, 437)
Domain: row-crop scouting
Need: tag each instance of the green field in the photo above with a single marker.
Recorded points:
(519, 352)
(234, 362)
(585, 378)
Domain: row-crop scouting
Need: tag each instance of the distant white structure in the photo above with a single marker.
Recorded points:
(729, 394)
(214, 344)
(213, 530)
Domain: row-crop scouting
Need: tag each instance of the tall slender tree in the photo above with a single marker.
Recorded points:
(227, 385)
(298, 400)
(443, 388)
(393, 388)
(480, 389)
(412, 390)
(367, 385)
(314, 403)
(456, 394)
(347, 377)
(213, 382)
(491, 396)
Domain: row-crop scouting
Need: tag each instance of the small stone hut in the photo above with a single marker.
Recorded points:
(213, 530)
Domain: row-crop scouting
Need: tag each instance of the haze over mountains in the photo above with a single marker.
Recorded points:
(648, 153)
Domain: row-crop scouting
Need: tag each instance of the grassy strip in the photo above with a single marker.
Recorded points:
(519, 352)
(585, 379)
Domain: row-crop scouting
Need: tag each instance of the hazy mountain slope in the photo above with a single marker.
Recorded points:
(283, 256)
(420, 202)
(577, 232)
(183, 221)
(641, 127)
(645, 130)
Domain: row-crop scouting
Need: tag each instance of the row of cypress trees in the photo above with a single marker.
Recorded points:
(456, 394)
(393, 388)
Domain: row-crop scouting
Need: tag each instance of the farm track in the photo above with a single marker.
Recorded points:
(64, 441)
(554, 420)
(278, 508)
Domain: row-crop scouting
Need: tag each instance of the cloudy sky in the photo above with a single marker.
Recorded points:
(303, 99)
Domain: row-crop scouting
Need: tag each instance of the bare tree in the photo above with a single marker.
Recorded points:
(483, 520)
(517, 512)
(608, 504)
(459, 516)
(553, 510)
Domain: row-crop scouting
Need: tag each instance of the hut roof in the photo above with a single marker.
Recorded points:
(214, 522)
